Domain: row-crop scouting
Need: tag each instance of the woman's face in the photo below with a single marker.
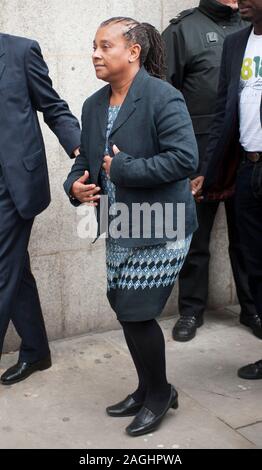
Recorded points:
(111, 52)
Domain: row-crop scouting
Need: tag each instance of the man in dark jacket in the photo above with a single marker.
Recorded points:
(234, 153)
(194, 42)
(25, 88)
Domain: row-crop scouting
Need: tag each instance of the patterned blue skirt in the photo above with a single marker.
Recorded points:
(140, 280)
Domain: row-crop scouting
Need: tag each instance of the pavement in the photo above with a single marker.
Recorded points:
(64, 406)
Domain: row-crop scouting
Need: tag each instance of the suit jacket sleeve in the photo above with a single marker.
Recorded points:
(79, 167)
(45, 99)
(178, 154)
(218, 122)
(176, 56)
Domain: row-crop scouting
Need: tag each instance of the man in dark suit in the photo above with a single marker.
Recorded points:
(25, 88)
(234, 156)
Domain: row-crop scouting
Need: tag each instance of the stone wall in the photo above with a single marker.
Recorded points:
(70, 272)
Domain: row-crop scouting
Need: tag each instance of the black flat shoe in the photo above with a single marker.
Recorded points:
(126, 407)
(22, 370)
(186, 327)
(251, 371)
(252, 321)
(146, 421)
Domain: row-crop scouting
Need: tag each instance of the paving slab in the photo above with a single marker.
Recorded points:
(64, 406)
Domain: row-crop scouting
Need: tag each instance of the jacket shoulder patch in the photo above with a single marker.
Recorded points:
(182, 15)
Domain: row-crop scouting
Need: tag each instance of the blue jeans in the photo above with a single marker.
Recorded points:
(248, 202)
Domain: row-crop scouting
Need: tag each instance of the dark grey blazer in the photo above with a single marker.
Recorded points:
(25, 88)
(154, 132)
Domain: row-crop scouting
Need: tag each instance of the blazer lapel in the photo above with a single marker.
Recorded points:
(2, 56)
(129, 105)
(127, 108)
(238, 57)
(102, 110)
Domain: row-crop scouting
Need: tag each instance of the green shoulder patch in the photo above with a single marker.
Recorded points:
(182, 15)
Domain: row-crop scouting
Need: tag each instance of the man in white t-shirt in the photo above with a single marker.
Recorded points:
(250, 95)
(233, 162)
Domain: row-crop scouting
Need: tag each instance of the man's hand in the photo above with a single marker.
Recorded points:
(196, 188)
(86, 193)
(76, 152)
(108, 160)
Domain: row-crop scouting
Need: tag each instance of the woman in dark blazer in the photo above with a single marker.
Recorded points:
(138, 146)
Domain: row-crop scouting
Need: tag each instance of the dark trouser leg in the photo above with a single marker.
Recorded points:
(140, 393)
(149, 342)
(193, 278)
(249, 222)
(237, 262)
(28, 319)
(18, 292)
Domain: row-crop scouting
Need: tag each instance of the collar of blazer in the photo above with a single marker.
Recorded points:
(239, 46)
(135, 93)
(2, 54)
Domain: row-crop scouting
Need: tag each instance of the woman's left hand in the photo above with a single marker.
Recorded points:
(108, 160)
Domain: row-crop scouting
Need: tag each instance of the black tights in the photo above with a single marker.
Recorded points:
(145, 341)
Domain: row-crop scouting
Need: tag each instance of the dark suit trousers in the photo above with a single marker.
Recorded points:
(19, 300)
(194, 276)
(249, 219)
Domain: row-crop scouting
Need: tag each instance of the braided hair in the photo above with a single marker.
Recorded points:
(147, 36)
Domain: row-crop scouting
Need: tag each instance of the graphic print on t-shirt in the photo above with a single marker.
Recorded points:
(251, 74)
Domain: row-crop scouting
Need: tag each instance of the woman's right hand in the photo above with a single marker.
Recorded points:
(85, 193)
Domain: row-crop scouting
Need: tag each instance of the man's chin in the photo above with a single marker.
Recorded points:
(100, 74)
(245, 13)
(246, 17)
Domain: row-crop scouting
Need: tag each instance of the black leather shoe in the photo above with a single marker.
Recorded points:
(146, 421)
(185, 327)
(251, 371)
(126, 407)
(252, 321)
(22, 370)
